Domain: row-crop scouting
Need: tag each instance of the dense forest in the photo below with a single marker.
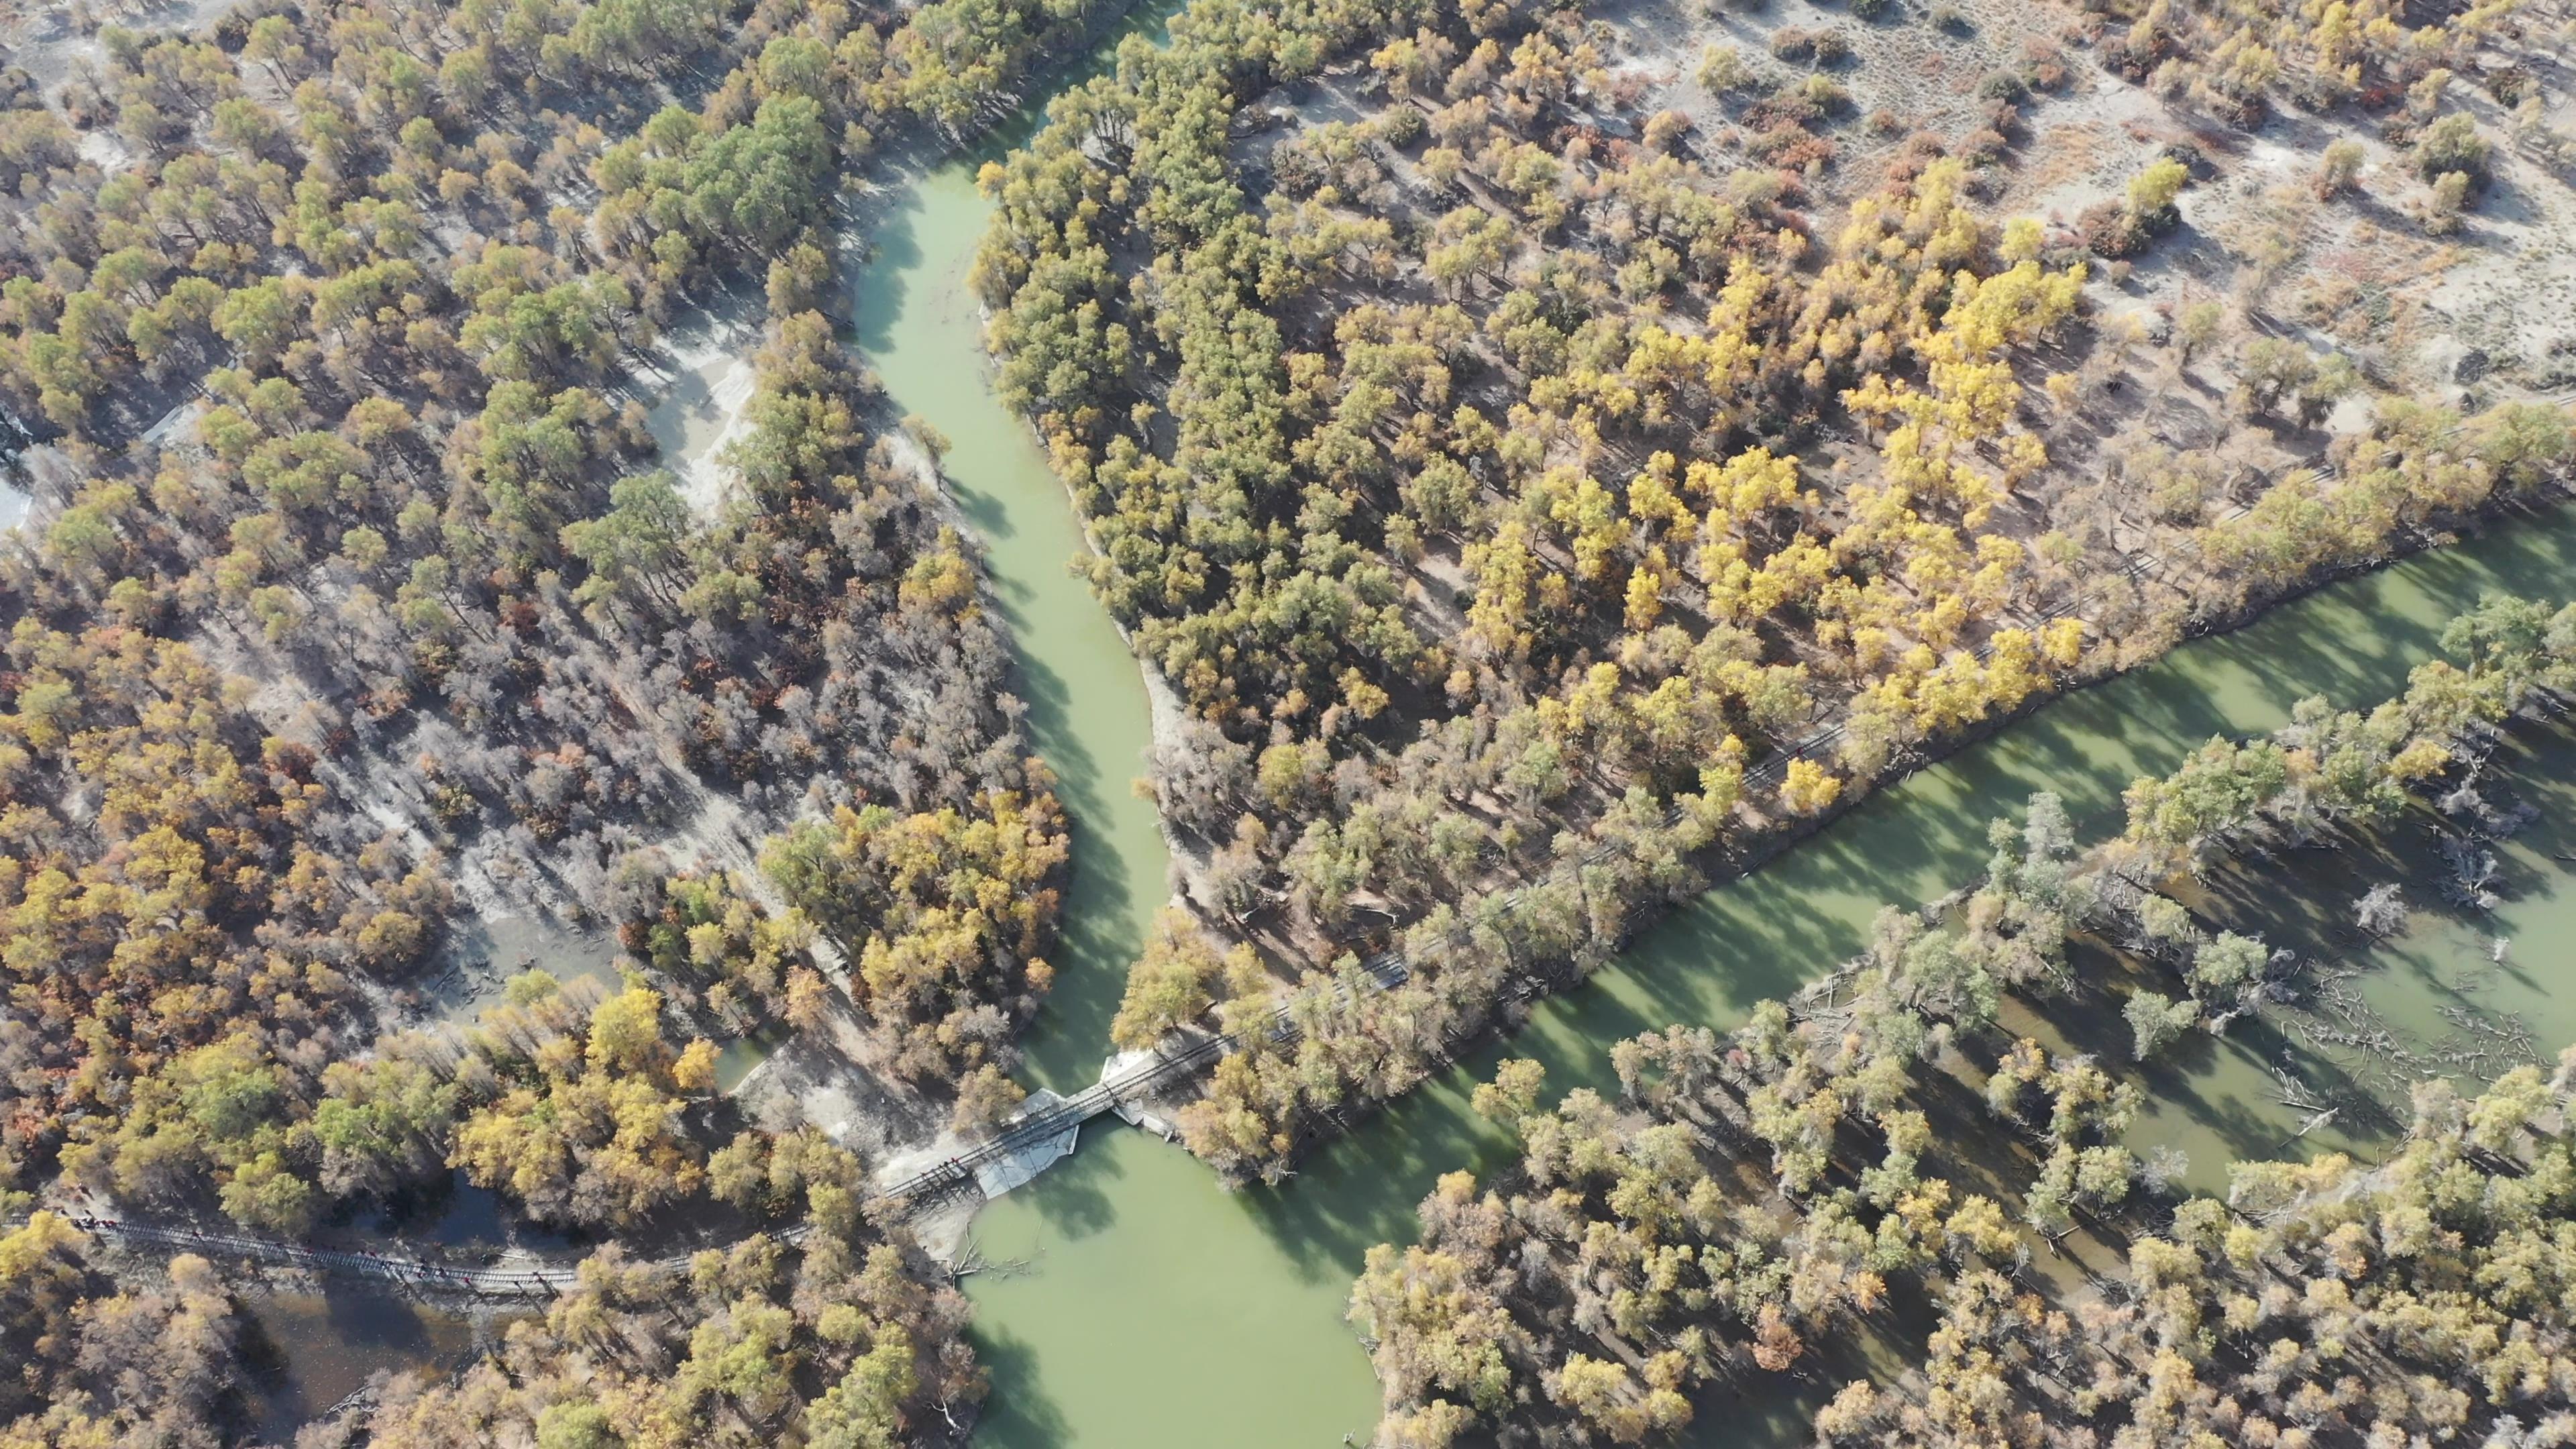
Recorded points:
(356, 611)
(392, 617)
(810, 1316)
(1882, 1161)
(1544, 461)
(1536, 496)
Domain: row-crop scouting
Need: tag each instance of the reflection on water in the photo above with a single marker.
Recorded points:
(453, 1214)
(315, 1348)
(308, 1351)
(744, 1054)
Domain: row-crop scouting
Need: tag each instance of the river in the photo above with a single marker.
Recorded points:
(1152, 1309)
(1088, 718)
(1143, 1307)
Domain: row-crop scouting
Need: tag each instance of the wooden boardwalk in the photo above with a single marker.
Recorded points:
(527, 1278)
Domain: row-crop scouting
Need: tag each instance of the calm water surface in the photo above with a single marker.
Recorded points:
(310, 1350)
(1144, 1307)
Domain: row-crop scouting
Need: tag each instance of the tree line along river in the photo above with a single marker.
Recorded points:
(1153, 1309)
(1139, 1306)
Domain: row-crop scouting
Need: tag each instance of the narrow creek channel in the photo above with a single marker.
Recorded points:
(1148, 1308)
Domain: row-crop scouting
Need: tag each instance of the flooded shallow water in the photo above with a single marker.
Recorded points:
(311, 1350)
(2462, 992)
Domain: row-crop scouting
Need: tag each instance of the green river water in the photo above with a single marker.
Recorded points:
(1151, 1309)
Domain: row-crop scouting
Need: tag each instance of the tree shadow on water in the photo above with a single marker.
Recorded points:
(1017, 1414)
(880, 284)
(1055, 732)
(1077, 1196)
(1765, 934)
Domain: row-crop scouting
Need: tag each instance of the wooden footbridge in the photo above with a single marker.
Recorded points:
(526, 1276)
(1112, 1091)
